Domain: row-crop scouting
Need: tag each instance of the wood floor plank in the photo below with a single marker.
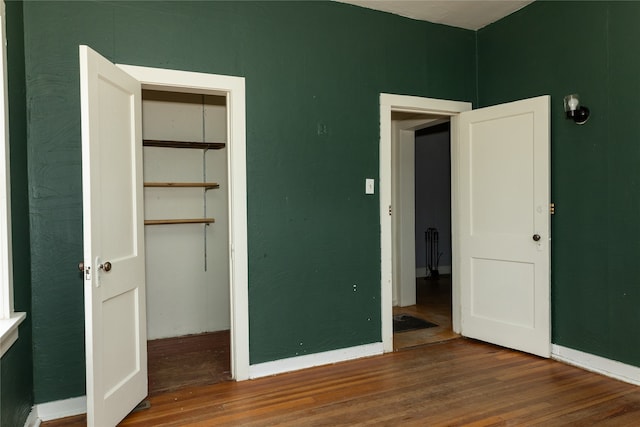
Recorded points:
(459, 382)
(206, 355)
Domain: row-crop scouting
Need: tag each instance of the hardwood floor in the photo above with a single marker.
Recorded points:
(433, 303)
(192, 360)
(453, 383)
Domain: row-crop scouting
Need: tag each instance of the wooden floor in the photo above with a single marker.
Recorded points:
(451, 383)
(433, 303)
(193, 360)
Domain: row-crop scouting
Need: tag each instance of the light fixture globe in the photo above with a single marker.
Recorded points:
(574, 111)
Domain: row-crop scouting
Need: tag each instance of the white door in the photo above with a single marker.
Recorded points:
(115, 317)
(504, 225)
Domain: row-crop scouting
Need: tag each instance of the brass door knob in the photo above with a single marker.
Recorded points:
(106, 266)
(81, 266)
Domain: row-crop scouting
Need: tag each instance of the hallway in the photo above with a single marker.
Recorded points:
(433, 297)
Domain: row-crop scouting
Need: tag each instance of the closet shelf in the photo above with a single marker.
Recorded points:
(183, 144)
(205, 185)
(179, 221)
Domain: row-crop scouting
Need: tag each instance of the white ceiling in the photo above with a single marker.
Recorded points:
(469, 14)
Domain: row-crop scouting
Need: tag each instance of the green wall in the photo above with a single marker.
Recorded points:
(313, 234)
(558, 48)
(16, 374)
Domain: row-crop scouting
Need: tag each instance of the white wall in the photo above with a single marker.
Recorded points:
(183, 298)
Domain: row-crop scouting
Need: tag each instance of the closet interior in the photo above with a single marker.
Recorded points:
(186, 238)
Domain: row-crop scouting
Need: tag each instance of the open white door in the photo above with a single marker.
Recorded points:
(504, 188)
(115, 317)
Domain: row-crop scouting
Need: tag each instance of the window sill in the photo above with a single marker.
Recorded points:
(9, 331)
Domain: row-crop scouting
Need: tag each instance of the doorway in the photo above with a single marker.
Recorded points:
(425, 111)
(498, 153)
(186, 256)
(114, 255)
(232, 89)
(421, 229)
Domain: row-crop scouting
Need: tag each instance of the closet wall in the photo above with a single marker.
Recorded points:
(187, 265)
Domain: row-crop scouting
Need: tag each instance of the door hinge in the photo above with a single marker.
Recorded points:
(552, 209)
(389, 210)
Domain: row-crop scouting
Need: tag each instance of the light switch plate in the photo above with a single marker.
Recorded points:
(369, 186)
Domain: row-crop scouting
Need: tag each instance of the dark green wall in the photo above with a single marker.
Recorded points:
(558, 48)
(16, 374)
(313, 234)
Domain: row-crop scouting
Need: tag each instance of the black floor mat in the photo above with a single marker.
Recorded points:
(405, 322)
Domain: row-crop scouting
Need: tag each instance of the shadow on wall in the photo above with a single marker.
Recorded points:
(433, 196)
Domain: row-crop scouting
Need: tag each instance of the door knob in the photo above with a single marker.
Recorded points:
(106, 266)
(536, 237)
(81, 266)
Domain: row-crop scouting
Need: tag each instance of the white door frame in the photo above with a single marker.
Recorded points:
(413, 104)
(234, 90)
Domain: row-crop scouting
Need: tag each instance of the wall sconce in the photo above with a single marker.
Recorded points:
(573, 109)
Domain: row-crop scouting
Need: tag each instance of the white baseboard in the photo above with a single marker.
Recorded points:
(61, 408)
(593, 363)
(316, 359)
(32, 420)
(443, 269)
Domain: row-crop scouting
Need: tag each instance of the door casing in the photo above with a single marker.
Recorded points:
(401, 103)
(234, 90)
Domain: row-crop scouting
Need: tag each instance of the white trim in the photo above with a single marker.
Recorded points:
(234, 89)
(61, 408)
(389, 103)
(591, 362)
(6, 265)
(9, 331)
(32, 419)
(416, 104)
(316, 359)
(386, 234)
(9, 321)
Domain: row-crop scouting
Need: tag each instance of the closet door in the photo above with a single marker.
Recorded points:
(113, 267)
